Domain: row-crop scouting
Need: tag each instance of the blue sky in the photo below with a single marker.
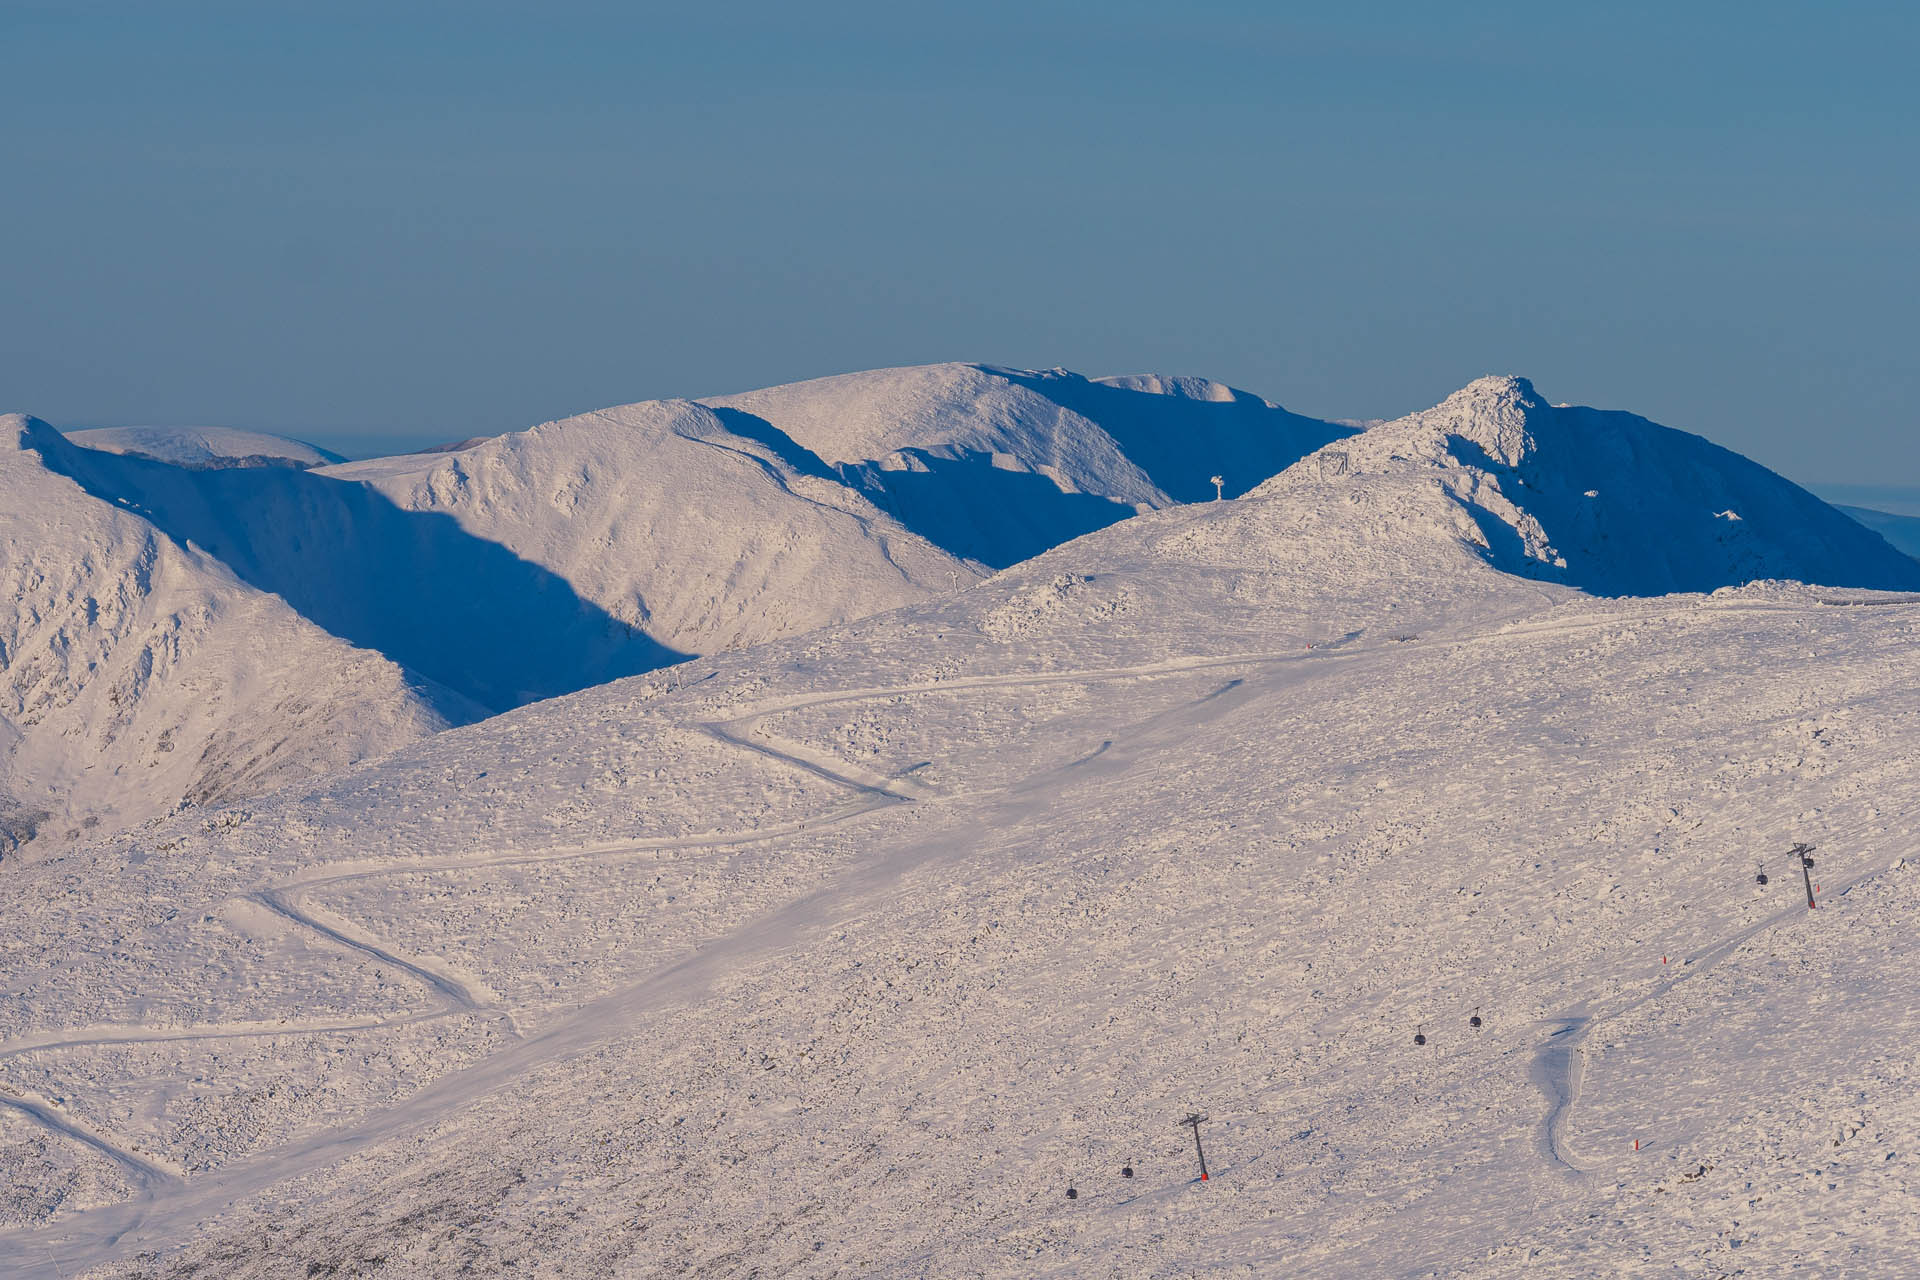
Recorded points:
(375, 225)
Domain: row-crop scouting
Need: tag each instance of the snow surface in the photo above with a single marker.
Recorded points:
(205, 446)
(1000, 464)
(848, 954)
(672, 523)
(135, 673)
(519, 567)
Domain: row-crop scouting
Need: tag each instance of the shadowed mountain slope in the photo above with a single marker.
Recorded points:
(999, 464)
(1430, 883)
(136, 671)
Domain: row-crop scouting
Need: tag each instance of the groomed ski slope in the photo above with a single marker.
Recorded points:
(900, 1027)
(848, 955)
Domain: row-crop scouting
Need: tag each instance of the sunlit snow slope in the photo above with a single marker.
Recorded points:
(674, 524)
(1605, 501)
(533, 564)
(851, 954)
(135, 673)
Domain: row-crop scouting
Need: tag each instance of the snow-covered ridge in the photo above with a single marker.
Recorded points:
(136, 672)
(852, 953)
(1604, 501)
(528, 565)
(205, 447)
(674, 522)
(999, 464)
(1901, 531)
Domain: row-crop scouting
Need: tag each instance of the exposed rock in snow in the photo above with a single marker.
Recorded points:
(205, 447)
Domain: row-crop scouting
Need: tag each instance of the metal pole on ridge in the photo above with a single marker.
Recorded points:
(1806, 869)
(1195, 1120)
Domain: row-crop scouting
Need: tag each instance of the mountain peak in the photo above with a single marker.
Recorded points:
(1494, 412)
(23, 431)
(1604, 501)
(1504, 387)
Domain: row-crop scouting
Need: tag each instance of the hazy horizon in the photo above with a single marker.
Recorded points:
(380, 226)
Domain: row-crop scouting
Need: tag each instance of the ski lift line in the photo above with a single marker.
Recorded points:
(1712, 956)
(1193, 1121)
(712, 840)
(1833, 836)
(1805, 852)
(873, 798)
(1700, 964)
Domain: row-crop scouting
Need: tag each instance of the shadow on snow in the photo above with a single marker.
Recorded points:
(459, 610)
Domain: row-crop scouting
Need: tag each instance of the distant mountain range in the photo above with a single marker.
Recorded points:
(1901, 531)
(207, 448)
(529, 565)
(1420, 817)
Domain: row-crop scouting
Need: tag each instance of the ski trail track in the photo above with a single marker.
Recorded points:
(149, 1174)
(279, 901)
(170, 1207)
(819, 763)
(167, 1212)
(1556, 1069)
(1559, 1064)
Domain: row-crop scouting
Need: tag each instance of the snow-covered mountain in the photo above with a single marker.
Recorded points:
(673, 523)
(854, 952)
(205, 447)
(528, 565)
(135, 672)
(1607, 502)
(1901, 532)
(999, 464)
(536, 563)
(453, 608)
